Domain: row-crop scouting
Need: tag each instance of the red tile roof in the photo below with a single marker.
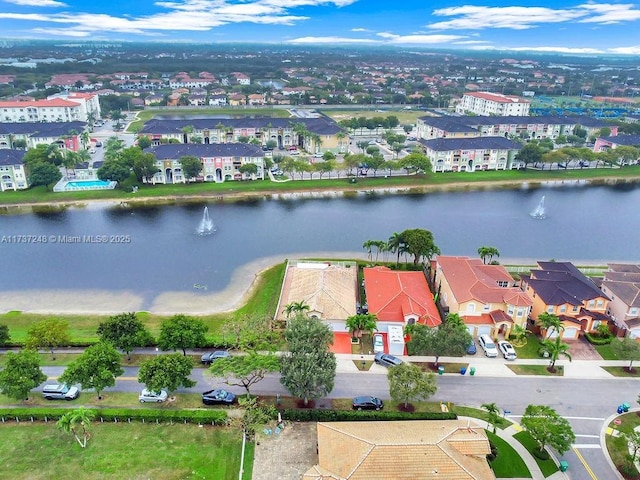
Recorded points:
(497, 97)
(470, 279)
(55, 102)
(392, 295)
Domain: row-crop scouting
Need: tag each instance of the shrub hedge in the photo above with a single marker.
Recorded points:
(597, 339)
(314, 415)
(214, 417)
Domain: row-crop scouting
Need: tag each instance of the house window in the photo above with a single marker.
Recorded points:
(471, 308)
(520, 312)
(550, 309)
(510, 310)
(563, 308)
(592, 303)
(575, 308)
(600, 303)
(486, 308)
(633, 311)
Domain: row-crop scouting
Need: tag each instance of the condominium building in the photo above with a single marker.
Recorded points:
(486, 104)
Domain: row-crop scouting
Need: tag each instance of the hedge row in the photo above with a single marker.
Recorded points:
(214, 417)
(597, 340)
(313, 415)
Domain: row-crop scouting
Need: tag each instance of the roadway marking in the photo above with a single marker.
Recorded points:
(569, 418)
(586, 445)
(584, 463)
(587, 436)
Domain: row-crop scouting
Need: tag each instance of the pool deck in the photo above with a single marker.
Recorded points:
(64, 182)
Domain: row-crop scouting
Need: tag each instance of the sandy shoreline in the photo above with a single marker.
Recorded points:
(241, 286)
(27, 207)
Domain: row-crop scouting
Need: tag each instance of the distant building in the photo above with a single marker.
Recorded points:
(486, 104)
(220, 161)
(472, 154)
(607, 143)
(70, 107)
(13, 175)
(65, 135)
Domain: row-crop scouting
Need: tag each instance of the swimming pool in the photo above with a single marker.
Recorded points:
(78, 185)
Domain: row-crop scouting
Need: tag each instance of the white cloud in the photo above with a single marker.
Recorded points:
(321, 40)
(37, 3)
(632, 50)
(471, 17)
(472, 42)
(516, 18)
(360, 30)
(570, 50)
(418, 39)
(607, 13)
(181, 15)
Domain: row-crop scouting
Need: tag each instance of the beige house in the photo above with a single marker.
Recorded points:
(402, 450)
(486, 297)
(328, 288)
(621, 284)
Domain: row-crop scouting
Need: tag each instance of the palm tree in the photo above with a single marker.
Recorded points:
(295, 307)
(494, 414)
(340, 136)
(487, 254)
(360, 324)
(519, 335)
(367, 246)
(85, 138)
(380, 247)
(550, 322)
(396, 244)
(555, 349)
(70, 421)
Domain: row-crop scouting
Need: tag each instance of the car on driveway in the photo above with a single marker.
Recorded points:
(508, 352)
(367, 403)
(378, 343)
(387, 360)
(209, 357)
(471, 349)
(149, 396)
(218, 397)
(488, 346)
(60, 391)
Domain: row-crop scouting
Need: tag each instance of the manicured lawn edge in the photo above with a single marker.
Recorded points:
(508, 463)
(547, 467)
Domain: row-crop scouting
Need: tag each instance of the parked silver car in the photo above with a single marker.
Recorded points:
(60, 391)
(149, 396)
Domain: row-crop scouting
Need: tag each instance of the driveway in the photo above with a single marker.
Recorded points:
(581, 349)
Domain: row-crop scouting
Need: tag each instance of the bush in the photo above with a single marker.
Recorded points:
(595, 339)
(215, 417)
(628, 470)
(541, 454)
(313, 415)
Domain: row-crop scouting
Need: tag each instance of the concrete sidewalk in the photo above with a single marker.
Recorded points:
(490, 367)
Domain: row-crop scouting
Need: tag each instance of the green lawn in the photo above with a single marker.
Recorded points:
(548, 467)
(507, 464)
(536, 370)
(617, 446)
(227, 190)
(529, 349)
(623, 371)
(480, 413)
(121, 451)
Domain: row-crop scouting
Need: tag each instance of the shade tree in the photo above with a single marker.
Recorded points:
(49, 333)
(168, 372)
(547, 428)
(125, 331)
(21, 374)
(407, 382)
(182, 332)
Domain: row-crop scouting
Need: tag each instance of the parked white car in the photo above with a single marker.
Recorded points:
(488, 346)
(508, 352)
(378, 343)
(148, 396)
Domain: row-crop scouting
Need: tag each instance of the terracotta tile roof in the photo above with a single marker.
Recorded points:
(393, 295)
(54, 102)
(328, 288)
(497, 97)
(452, 450)
(470, 279)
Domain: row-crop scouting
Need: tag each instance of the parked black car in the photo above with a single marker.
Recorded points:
(218, 397)
(387, 360)
(367, 403)
(209, 357)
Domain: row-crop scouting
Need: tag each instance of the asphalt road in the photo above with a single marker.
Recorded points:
(586, 403)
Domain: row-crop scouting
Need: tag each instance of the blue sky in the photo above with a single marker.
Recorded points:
(543, 25)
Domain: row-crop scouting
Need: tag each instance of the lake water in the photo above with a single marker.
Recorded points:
(150, 250)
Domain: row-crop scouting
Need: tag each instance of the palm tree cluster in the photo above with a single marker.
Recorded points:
(416, 242)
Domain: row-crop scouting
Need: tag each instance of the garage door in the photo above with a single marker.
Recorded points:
(484, 330)
(570, 333)
(471, 329)
(634, 333)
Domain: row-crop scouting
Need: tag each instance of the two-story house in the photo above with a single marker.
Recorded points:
(486, 297)
(399, 298)
(12, 170)
(561, 289)
(621, 283)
